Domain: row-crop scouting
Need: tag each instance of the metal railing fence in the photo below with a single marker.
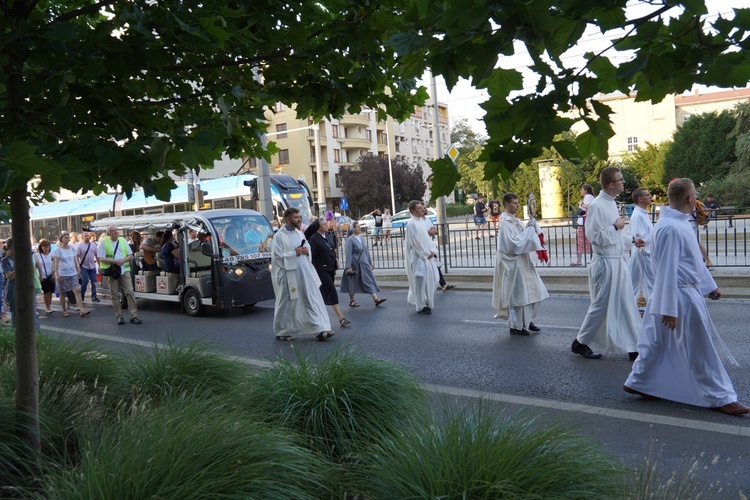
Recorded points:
(461, 246)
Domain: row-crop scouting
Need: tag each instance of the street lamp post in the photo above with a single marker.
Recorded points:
(390, 161)
(440, 205)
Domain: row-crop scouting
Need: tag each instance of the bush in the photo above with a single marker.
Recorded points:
(732, 190)
(176, 369)
(343, 404)
(476, 453)
(190, 448)
(458, 210)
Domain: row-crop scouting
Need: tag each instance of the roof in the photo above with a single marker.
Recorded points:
(161, 221)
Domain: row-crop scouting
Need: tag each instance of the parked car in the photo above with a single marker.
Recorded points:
(344, 222)
(402, 218)
(367, 222)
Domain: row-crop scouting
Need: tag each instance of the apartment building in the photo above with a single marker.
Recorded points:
(343, 141)
(636, 123)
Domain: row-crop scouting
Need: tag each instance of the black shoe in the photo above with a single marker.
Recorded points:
(120, 321)
(136, 321)
(534, 328)
(95, 299)
(513, 331)
(583, 350)
(426, 310)
(633, 355)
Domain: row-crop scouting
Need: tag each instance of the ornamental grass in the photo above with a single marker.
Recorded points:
(477, 452)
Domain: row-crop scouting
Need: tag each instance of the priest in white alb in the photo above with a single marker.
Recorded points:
(300, 309)
(641, 272)
(612, 321)
(420, 261)
(517, 289)
(677, 358)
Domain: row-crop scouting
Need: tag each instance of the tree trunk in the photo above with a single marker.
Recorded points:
(27, 372)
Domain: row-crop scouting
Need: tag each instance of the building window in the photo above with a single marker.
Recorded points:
(313, 156)
(686, 117)
(337, 155)
(279, 107)
(632, 143)
(338, 180)
(284, 156)
(314, 179)
(281, 131)
(368, 134)
(335, 131)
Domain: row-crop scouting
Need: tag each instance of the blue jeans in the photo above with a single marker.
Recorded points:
(88, 275)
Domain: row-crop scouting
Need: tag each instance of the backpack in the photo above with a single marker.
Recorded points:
(701, 214)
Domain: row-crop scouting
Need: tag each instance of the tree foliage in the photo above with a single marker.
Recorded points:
(648, 166)
(673, 46)
(367, 184)
(702, 148)
(119, 93)
(469, 144)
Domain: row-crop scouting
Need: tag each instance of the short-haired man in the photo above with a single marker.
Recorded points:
(641, 273)
(480, 216)
(150, 247)
(517, 289)
(677, 358)
(420, 261)
(115, 251)
(299, 309)
(612, 320)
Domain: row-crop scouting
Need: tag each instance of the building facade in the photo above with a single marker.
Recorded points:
(636, 123)
(343, 141)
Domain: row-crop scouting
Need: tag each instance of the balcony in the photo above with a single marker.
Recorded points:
(354, 142)
(354, 120)
(323, 142)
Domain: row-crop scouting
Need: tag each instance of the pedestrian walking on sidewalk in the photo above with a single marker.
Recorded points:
(420, 261)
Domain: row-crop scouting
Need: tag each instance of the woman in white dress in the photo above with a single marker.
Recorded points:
(387, 225)
(358, 276)
(46, 272)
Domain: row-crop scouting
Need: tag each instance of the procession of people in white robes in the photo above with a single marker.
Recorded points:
(517, 288)
(612, 321)
(299, 309)
(641, 271)
(421, 262)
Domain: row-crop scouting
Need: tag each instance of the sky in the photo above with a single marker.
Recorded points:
(464, 99)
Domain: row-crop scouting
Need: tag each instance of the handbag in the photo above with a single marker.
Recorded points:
(581, 211)
(113, 270)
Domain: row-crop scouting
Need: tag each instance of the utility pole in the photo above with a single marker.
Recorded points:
(319, 172)
(265, 205)
(440, 205)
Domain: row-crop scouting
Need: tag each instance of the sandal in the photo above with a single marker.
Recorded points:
(285, 338)
(344, 321)
(324, 336)
(448, 287)
(66, 314)
(353, 303)
(379, 301)
(85, 313)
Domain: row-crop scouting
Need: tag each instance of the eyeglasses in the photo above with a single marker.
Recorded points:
(621, 179)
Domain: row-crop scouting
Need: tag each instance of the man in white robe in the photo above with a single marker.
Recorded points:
(612, 321)
(677, 358)
(299, 306)
(517, 288)
(641, 272)
(420, 261)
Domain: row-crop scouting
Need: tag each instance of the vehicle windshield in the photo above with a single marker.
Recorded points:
(299, 201)
(243, 237)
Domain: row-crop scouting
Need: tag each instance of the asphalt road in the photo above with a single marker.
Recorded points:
(462, 354)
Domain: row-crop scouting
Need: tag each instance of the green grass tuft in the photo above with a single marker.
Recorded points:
(477, 453)
(194, 449)
(342, 404)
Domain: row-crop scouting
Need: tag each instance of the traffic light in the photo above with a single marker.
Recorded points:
(199, 194)
(253, 185)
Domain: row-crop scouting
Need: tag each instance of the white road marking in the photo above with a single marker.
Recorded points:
(648, 418)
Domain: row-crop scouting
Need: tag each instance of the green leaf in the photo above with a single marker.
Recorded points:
(589, 143)
(502, 82)
(444, 177)
(567, 149)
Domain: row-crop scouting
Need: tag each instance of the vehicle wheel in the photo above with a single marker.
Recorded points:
(191, 300)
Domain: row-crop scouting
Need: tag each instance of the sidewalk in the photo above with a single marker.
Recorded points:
(734, 282)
